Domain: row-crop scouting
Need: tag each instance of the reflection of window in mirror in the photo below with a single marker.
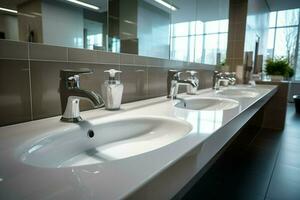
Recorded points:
(199, 31)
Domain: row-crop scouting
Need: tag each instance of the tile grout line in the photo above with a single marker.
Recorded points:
(30, 85)
(272, 173)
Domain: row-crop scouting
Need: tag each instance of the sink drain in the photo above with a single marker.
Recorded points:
(90, 133)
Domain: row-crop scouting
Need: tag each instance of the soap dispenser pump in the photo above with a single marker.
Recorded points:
(193, 77)
(113, 90)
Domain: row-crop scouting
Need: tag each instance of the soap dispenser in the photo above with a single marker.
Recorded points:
(192, 77)
(113, 90)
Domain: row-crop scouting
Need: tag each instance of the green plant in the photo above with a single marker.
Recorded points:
(279, 66)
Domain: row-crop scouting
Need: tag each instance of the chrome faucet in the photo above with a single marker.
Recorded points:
(231, 76)
(70, 94)
(174, 82)
(217, 78)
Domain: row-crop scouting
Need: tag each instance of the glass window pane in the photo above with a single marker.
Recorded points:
(181, 29)
(192, 49)
(199, 27)
(198, 48)
(223, 45)
(223, 25)
(285, 43)
(179, 48)
(192, 28)
(211, 48)
(288, 17)
(272, 19)
(270, 45)
(212, 27)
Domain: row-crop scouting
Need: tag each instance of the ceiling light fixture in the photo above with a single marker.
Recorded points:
(84, 4)
(8, 10)
(168, 5)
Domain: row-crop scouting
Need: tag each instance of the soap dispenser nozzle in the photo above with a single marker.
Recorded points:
(112, 74)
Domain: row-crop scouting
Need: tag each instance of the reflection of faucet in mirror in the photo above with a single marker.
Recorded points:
(70, 93)
(218, 77)
(174, 82)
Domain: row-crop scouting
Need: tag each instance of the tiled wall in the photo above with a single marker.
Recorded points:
(236, 33)
(247, 20)
(29, 77)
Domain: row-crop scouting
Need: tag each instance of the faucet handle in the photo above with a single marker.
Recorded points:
(177, 75)
(192, 72)
(66, 74)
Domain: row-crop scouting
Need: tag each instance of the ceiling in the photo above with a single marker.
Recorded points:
(283, 4)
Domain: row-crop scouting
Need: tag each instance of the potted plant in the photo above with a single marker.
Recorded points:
(278, 69)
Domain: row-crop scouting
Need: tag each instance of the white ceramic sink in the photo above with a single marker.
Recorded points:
(113, 139)
(239, 93)
(207, 103)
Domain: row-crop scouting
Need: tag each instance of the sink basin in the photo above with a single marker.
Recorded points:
(239, 93)
(113, 139)
(209, 104)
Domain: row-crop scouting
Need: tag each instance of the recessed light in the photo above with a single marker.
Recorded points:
(84, 4)
(8, 10)
(166, 4)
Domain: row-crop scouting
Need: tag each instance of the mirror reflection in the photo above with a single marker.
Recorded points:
(186, 30)
(69, 23)
(199, 31)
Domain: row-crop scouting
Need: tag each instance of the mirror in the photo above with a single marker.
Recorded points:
(139, 27)
(69, 23)
(199, 31)
(186, 30)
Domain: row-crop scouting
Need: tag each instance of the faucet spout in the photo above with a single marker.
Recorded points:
(70, 95)
(93, 97)
(187, 82)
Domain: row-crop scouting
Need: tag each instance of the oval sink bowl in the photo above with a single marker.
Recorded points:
(208, 104)
(110, 140)
(239, 93)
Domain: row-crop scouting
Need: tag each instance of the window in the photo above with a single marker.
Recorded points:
(198, 41)
(283, 37)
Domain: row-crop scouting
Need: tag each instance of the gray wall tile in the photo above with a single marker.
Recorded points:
(92, 56)
(127, 59)
(157, 81)
(13, 50)
(155, 62)
(205, 78)
(82, 55)
(47, 52)
(141, 60)
(108, 58)
(14, 92)
(135, 83)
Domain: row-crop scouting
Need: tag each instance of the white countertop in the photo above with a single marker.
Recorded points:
(114, 179)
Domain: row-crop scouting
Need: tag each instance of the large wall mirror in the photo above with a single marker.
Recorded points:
(70, 23)
(187, 30)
